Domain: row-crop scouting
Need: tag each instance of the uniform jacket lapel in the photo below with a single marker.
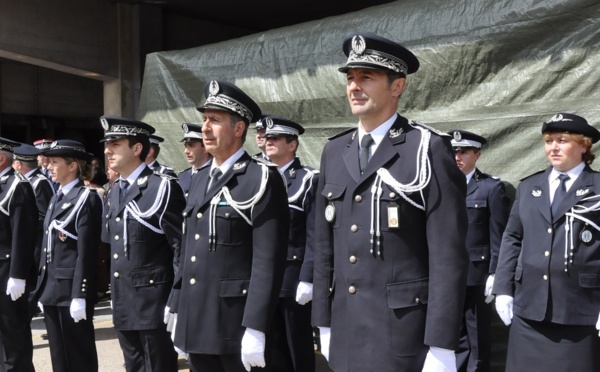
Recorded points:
(68, 201)
(237, 168)
(541, 195)
(386, 150)
(351, 157)
(473, 184)
(135, 189)
(581, 188)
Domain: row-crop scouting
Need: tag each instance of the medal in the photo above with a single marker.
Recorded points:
(586, 236)
(62, 236)
(330, 213)
(393, 222)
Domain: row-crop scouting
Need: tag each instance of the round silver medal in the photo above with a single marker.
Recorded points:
(330, 213)
(586, 236)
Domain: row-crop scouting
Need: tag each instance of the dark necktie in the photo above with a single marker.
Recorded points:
(215, 174)
(365, 147)
(124, 186)
(59, 197)
(560, 193)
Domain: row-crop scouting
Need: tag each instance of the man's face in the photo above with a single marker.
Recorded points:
(370, 95)
(42, 161)
(261, 141)
(120, 156)
(221, 139)
(564, 154)
(279, 151)
(466, 159)
(195, 153)
(112, 175)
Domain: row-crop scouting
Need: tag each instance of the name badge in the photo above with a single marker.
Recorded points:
(330, 213)
(393, 222)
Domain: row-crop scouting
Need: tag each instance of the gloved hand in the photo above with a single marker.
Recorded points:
(15, 288)
(77, 309)
(168, 319)
(598, 325)
(172, 325)
(489, 284)
(41, 307)
(325, 335)
(439, 360)
(253, 349)
(504, 308)
(304, 293)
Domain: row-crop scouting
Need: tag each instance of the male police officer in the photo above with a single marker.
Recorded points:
(18, 213)
(153, 155)
(144, 226)
(295, 346)
(487, 212)
(260, 139)
(195, 154)
(390, 258)
(236, 223)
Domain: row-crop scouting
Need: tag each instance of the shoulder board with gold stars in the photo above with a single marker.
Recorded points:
(349, 130)
(415, 123)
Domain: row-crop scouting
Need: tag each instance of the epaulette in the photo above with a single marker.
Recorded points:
(21, 177)
(531, 175)
(165, 175)
(265, 162)
(415, 123)
(341, 133)
(92, 189)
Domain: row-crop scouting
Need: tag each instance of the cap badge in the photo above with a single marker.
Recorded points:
(358, 44)
(457, 136)
(269, 122)
(558, 117)
(214, 88)
(185, 128)
(54, 144)
(586, 236)
(238, 166)
(536, 193)
(581, 192)
(104, 123)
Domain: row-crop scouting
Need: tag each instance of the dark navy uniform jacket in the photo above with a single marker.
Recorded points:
(230, 280)
(532, 268)
(44, 191)
(68, 265)
(487, 209)
(142, 260)
(159, 168)
(185, 177)
(301, 186)
(383, 309)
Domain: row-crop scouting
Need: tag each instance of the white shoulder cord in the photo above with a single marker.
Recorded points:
(7, 199)
(133, 209)
(421, 180)
(238, 206)
(576, 213)
(60, 225)
(292, 199)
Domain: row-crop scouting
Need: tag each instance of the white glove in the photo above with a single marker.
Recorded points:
(253, 349)
(489, 284)
(77, 309)
(169, 319)
(439, 360)
(15, 288)
(325, 334)
(598, 324)
(304, 293)
(172, 325)
(504, 308)
(41, 307)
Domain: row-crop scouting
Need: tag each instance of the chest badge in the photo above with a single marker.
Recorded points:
(330, 213)
(586, 236)
(62, 236)
(536, 193)
(581, 192)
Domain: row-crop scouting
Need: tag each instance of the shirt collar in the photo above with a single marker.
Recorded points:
(68, 187)
(285, 167)
(573, 173)
(470, 175)
(379, 132)
(135, 174)
(229, 162)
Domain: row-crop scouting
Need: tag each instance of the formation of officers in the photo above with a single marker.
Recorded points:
(394, 250)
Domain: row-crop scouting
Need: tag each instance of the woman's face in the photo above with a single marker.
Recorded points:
(62, 172)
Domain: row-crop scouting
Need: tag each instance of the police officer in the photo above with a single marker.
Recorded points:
(295, 346)
(18, 213)
(66, 285)
(195, 154)
(144, 228)
(390, 258)
(25, 162)
(487, 212)
(260, 139)
(236, 223)
(153, 155)
(43, 144)
(548, 273)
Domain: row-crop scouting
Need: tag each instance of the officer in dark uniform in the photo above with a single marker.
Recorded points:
(295, 346)
(261, 141)
(548, 272)
(18, 213)
(487, 209)
(44, 144)
(25, 162)
(144, 226)
(390, 258)
(195, 153)
(66, 285)
(235, 233)
(153, 155)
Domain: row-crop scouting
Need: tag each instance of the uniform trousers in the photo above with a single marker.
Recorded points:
(474, 350)
(551, 347)
(222, 363)
(72, 345)
(148, 350)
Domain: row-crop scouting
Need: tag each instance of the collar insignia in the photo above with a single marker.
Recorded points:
(581, 192)
(292, 172)
(238, 166)
(66, 205)
(5, 177)
(536, 193)
(395, 132)
(142, 180)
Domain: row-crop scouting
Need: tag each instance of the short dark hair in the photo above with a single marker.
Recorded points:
(144, 140)
(234, 118)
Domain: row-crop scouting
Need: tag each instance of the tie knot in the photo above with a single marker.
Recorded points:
(366, 141)
(215, 173)
(564, 177)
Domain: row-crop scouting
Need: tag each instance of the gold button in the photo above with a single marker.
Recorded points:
(352, 289)
(151, 281)
(118, 219)
(545, 277)
(392, 194)
(358, 198)
(197, 236)
(116, 237)
(329, 195)
(193, 258)
(549, 230)
(192, 281)
(116, 274)
(199, 215)
(352, 259)
(244, 291)
(354, 228)
(546, 253)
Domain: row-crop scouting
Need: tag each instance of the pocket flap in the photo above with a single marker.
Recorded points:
(406, 294)
(295, 253)
(233, 287)
(476, 203)
(64, 272)
(589, 280)
(331, 191)
(151, 276)
(479, 253)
